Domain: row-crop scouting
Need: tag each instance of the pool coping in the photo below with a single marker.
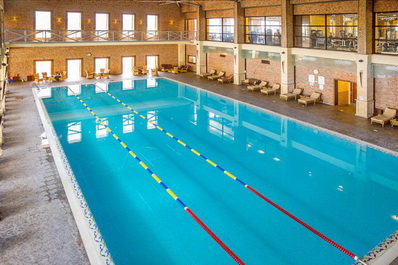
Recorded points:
(382, 254)
(93, 241)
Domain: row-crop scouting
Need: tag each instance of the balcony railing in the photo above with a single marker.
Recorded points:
(62, 36)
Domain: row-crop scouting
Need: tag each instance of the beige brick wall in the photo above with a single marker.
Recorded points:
(260, 3)
(191, 50)
(385, 5)
(263, 11)
(214, 61)
(330, 74)
(22, 59)
(327, 8)
(268, 72)
(386, 93)
(24, 10)
(220, 13)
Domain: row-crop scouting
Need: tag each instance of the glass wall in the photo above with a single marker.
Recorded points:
(331, 32)
(386, 33)
(263, 30)
(220, 29)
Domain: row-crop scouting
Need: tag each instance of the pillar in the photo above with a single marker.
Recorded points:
(239, 64)
(365, 84)
(200, 58)
(287, 59)
(239, 26)
(201, 18)
(181, 54)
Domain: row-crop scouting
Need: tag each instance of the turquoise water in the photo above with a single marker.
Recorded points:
(345, 190)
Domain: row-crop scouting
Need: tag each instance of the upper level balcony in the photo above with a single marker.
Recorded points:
(12, 36)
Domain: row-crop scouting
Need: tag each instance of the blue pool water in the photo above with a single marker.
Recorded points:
(343, 189)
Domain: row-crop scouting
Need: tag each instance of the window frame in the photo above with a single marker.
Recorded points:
(385, 40)
(325, 42)
(222, 33)
(267, 38)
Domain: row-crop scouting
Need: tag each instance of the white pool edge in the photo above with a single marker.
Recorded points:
(93, 242)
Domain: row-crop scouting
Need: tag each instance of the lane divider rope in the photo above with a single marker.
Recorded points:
(232, 176)
(161, 183)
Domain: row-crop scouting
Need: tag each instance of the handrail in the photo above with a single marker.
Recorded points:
(3, 88)
(71, 36)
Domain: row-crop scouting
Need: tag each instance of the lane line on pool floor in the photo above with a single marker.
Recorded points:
(229, 174)
(161, 183)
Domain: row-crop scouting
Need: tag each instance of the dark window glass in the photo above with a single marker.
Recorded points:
(263, 30)
(386, 33)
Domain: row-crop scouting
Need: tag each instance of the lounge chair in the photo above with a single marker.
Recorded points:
(154, 72)
(295, 94)
(226, 79)
(315, 97)
(271, 90)
(262, 85)
(106, 73)
(144, 70)
(175, 70)
(205, 75)
(166, 67)
(183, 69)
(44, 76)
(136, 71)
(388, 114)
(250, 82)
(215, 77)
(89, 75)
(38, 79)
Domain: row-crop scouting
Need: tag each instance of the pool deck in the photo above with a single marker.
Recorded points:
(36, 224)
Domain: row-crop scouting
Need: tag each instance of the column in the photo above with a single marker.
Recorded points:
(181, 54)
(239, 26)
(201, 18)
(200, 58)
(365, 86)
(287, 59)
(239, 64)
(365, 97)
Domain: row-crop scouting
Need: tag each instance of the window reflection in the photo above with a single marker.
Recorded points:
(220, 29)
(151, 82)
(74, 132)
(152, 116)
(101, 88)
(74, 89)
(100, 130)
(221, 127)
(128, 84)
(128, 123)
(263, 30)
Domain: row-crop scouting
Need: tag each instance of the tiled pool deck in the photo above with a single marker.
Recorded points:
(36, 224)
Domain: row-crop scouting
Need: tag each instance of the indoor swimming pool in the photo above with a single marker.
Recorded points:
(190, 138)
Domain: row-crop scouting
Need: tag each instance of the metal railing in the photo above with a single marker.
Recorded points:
(62, 36)
(3, 88)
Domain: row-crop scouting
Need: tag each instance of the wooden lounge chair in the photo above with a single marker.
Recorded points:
(262, 85)
(271, 90)
(144, 70)
(215, 77)
(295, 94)
(205, 75)
(136, 71)
(89, 75)
(44, 76)
(37, 78)
(63, 76)
(175, 70)
(106, 73)
(166, 67)
(183, 69)
(226, 79)
(315, 97)
(154, 72)
(388, 114)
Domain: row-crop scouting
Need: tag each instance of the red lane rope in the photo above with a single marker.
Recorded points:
(225, 247)
(346, 251)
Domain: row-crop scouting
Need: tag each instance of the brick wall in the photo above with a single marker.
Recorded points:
(327, 8)
(268, 72)
(330, 74)
(24, 10)
(385, 5)
(22, 59)
(214, 61)
(191, 50)
(263, 11)
(386, 93)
